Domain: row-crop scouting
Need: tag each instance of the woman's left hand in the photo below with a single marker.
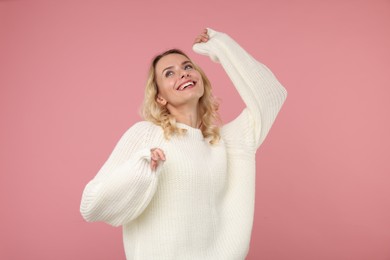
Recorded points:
(202, 37)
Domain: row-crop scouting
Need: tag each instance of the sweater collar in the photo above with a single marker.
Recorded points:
(195, 133)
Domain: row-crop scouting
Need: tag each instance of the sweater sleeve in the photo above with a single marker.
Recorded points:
(125, 184)
(258, 87)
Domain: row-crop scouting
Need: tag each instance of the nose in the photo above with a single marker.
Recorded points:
(185, 74)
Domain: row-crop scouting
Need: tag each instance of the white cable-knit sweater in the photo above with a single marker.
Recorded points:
(199, 203)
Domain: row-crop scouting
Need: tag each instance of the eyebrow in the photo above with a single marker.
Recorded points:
(170, 67)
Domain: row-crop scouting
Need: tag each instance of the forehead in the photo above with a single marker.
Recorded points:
(173, 59)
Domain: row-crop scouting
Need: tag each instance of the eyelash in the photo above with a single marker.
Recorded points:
(168, 73)
(186, 67)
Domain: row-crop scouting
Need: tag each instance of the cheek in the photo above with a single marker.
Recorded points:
(196, 75)
(201, 82)
(164, 87)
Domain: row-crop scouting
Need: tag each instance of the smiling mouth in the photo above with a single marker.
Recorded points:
(185, 85)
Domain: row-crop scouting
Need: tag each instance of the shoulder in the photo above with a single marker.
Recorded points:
(143, 130)
(143, 127)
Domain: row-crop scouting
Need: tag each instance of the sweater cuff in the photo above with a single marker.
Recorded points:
(209, 48)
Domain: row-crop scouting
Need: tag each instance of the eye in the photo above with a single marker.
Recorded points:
(188, 67)
(168, 73)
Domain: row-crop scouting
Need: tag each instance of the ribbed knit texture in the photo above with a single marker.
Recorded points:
(199, 203)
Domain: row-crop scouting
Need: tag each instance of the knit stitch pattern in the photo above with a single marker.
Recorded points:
(199, 203)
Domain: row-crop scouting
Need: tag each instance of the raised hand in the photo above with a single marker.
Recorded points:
(202, 37)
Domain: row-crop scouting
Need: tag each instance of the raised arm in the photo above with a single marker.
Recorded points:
(125, 184)
(258, 87)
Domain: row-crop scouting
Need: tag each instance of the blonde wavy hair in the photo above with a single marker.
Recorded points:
(154, 112)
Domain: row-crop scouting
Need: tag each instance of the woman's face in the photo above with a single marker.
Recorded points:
(179, 83)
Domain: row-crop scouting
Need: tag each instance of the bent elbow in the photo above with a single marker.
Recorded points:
(88, 213)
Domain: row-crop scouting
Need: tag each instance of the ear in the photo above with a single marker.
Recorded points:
(161, 100)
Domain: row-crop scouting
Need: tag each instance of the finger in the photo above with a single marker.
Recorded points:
(153, 165)
(204, 35)
(154, 156)
(197, 39)
(160, 154)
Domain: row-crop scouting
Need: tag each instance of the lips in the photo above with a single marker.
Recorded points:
(185, 85)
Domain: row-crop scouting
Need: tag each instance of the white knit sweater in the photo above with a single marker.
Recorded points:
(198, 204)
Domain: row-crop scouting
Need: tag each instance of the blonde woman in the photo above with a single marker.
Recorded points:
(181, 186)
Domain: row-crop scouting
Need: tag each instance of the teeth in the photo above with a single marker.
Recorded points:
(182, 87)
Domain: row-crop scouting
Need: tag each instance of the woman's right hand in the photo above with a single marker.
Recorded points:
(202, 37)
(156, 155)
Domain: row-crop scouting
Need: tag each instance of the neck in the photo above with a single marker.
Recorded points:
(186, 114)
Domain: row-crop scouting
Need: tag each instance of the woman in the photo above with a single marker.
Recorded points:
(181, 187)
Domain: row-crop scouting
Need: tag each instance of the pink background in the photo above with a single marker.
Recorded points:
(72, 75)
